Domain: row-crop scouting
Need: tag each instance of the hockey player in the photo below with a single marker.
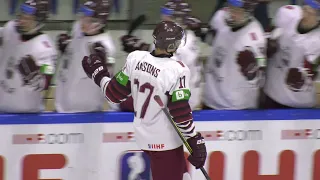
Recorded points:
(232, 75)
(179, 12)
(28, 59)
(148, 74)
(75, 91)
(294, 51)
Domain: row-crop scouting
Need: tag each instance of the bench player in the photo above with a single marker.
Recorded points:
(75, 92)
(294, 51)
(28, 58)
(148, 74)
(233, 73)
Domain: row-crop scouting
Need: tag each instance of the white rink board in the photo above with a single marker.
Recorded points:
(237, 150)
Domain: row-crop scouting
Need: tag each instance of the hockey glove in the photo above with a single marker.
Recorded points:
(203, 31)
(132, 43)
(199, 151)
(295, 79)
(31, 74)
(95, 67)
(248, 64)
(63, 41)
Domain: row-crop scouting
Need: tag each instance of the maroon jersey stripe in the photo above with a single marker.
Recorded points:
(180, 110)
(117, 92)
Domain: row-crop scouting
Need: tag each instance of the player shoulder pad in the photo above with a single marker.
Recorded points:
(257, 33)
(44, 43)
(9, 28)
(136, 56)
(46, 49)
(286, 15)
(179, 67)
(218, 19)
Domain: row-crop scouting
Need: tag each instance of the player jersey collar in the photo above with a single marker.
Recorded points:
(100, 32)
(240, 27)
(27, 37)
(161, 55)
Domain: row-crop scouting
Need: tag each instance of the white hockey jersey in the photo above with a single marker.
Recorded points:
(14, 96)
(143, 77)
(295, 50)
(229, 84)
(75, 92)
(189, 54)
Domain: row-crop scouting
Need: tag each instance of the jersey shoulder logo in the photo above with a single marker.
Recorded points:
(253, 36)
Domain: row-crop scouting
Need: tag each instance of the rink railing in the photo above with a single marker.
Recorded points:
(205, 115)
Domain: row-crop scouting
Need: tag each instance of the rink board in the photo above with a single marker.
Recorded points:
(241, 145)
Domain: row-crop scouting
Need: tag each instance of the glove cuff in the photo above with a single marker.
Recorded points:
(100, 74)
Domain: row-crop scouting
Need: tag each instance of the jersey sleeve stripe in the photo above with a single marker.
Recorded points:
(180, 110)
(182, 115)
(116, 92)
(111, 97)
(187, 128)
(124, 90)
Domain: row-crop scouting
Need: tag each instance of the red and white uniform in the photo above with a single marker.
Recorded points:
(14, 95)
(143, 77)
(226, 87)
(75, 92)
(295, 51)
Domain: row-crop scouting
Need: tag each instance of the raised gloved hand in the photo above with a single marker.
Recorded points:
(98, 49)
(63, 41)
(248, 64)
(199, 29)
(30, 72)
(199, 151)
(95, 65)
(133, 43)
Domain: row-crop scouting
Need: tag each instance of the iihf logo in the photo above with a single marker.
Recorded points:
(134, 165)
(156, 146)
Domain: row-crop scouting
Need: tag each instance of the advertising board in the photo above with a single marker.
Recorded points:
(241, 146)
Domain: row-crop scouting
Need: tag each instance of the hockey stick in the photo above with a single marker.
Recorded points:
(136, 23)
(165, 110)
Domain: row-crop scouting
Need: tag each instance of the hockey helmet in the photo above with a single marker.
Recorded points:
(315, 4)
(177, 10)
(239, 11)
(97, 9)
(168, 36)
(29, 10)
